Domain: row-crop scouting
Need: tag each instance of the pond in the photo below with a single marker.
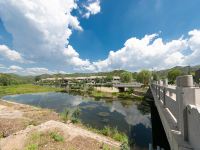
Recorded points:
(128, 116)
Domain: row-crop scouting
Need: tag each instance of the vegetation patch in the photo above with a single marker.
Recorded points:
(103, 114)
(71, 114)
(25, 88)
(56, 137)
(110, 132)
(39, 140)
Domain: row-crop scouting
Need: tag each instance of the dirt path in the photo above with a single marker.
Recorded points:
(18, 122)
(71, 132)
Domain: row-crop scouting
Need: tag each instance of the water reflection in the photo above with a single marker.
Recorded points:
(132, 115)
(123, 114)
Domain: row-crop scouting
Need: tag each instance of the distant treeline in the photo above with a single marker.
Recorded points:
(143, 76)
(13, 79)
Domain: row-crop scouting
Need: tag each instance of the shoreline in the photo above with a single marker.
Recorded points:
(27, 116)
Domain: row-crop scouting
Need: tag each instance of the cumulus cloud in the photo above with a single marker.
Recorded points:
(72, 58)
(10, 54)
(145, 53)
(27, 71)
(92, 8)
(194, 47)
(41, 32)
(40, 29)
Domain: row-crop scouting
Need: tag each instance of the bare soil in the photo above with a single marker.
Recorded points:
(18, 122)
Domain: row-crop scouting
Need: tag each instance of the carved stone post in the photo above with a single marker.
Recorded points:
(165, 84)
(185, 95)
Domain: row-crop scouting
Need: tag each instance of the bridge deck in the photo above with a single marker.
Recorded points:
(178, 107)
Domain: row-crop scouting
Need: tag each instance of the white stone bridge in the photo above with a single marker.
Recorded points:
(123, 86)
(179, 110)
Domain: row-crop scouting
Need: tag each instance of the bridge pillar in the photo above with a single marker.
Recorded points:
(165, 84)
(185, 95)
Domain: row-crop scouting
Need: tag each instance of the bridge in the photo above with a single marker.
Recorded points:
(123, 86)
(179, 110)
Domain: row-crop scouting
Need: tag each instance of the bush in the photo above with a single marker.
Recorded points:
(124, 146)
(72, 115)
(32, 147)
(75, 116)
(114, 133)
(56, 137)
(65, 115)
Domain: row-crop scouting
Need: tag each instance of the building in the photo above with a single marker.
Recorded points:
(116, 79)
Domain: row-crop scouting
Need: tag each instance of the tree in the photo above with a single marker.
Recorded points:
(144, 77)
(108, 78)
(4, 80)
(172, 74)
(155, 76)
(37, 78)
(126, 77)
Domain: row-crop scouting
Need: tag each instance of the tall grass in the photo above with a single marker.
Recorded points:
(71, 114)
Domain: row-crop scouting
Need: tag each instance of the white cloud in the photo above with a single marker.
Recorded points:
(41, 32)
(14, 69)
(72, 58)
(148, 52)
(37, 71)
(40, 29)
(10, 54)
(27, 71)
(194, 47)
(92, 8)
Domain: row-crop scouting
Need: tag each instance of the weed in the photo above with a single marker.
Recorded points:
(65, 115)
(56, 137)
(32, 147)
(124, 146)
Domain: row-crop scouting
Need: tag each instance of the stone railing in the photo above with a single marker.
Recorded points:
(181, 107)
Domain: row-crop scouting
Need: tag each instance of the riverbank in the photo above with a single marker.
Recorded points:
(25, 88)
(24, 126)
(97, 94)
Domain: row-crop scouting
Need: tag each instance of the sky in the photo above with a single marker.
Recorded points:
(66, 36)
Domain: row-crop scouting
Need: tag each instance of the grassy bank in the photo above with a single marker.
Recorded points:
(99, 94)
(73, 116)
(25, 88)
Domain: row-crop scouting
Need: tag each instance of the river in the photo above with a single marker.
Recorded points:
(128, 116)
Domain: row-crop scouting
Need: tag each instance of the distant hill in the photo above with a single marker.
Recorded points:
(17, 79)
(9, 78)
(111, 73)
(184, 69)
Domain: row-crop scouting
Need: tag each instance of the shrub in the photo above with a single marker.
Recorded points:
(56, 137)
(65, 115)
(32, 147)
(75, 116)
(124, 146)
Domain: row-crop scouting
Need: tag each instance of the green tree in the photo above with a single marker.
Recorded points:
(172, 74)
(155, 76)
(4, 80)
(144, 77)
(37, 78)
(108, 78)
(126, 77)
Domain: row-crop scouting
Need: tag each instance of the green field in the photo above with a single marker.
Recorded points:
(25, 88)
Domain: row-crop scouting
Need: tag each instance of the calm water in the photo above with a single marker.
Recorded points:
(123, 114)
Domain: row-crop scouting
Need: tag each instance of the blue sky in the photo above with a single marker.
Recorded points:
(124, 19)
(97, 35)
